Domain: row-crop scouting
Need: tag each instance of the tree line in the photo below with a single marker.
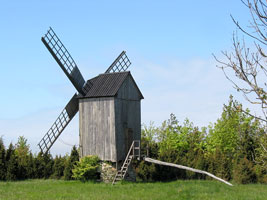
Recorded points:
(230, 148)
(18, 163)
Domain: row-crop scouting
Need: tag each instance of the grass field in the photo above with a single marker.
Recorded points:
(54, 189)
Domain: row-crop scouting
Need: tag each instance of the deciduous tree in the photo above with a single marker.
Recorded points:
(248, 63)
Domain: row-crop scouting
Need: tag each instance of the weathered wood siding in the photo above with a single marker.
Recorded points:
(108, 125)
(127, 116)
(97, 128)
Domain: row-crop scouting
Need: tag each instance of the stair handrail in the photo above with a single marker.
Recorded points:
(139, 149)
(127, 155)
(126, 159)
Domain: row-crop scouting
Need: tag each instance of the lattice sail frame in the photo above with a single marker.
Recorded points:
(120, 64)
(68, 65)
(64, 59)
(59, 125)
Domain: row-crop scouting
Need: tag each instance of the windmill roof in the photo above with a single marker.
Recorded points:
(108, 84)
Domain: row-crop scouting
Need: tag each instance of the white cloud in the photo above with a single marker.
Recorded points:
(193, 89)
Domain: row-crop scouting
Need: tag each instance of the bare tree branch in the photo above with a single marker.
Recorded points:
(246, 68)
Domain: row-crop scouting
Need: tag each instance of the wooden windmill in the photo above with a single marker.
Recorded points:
(109, 108)
(108, 104)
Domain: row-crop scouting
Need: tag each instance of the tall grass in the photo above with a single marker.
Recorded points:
(55, 189)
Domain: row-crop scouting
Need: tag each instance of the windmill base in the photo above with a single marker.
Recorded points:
(108, 172)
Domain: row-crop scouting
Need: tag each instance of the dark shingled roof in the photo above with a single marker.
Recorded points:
(107, 85)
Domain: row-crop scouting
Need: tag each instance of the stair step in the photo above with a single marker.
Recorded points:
(131, 154)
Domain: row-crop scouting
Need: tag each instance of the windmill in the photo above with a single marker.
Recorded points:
(109, 105)
(109, 108)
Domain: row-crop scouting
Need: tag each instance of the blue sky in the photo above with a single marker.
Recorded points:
(170, 44)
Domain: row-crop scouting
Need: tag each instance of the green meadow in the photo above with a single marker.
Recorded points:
(193, 189)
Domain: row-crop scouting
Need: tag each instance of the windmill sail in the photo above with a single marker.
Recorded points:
(68, 65)
(59, 125)
(120, 64)
(64, 59)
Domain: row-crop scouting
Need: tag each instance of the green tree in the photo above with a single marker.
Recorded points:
(43, 165)
(31, 168)
(223, 135)
(58, 167)
(244, 172)
(170, 136)
(261, 159)
(22, 152)
(148, 140)
(233, 136)
(181, 144)
(74, 157)
(2, 160)
(12, 164)
(48, 165)
(39, 166)
(245, 67)
(179, 139)
(195, 156)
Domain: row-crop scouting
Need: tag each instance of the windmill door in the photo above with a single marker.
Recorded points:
(128, 139)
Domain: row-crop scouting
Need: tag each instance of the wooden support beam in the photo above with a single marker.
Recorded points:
(186, 168)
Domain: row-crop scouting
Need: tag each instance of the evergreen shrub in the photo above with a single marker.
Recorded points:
(244, 172)
(86, 169)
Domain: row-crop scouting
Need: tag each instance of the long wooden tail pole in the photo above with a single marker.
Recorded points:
(186, 168)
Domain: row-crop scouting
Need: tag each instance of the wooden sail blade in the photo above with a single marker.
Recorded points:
(59, 125)
(64, 59)
(120, 64)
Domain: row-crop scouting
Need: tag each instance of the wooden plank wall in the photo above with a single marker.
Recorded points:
(97, 128)
(104, 123)
(127, 115)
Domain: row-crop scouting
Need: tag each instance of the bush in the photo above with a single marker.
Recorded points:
(261, 172)
(244, 172)
(86, 169)
(146, 171)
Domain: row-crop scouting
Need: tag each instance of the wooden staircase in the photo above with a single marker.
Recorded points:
(134, 152)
